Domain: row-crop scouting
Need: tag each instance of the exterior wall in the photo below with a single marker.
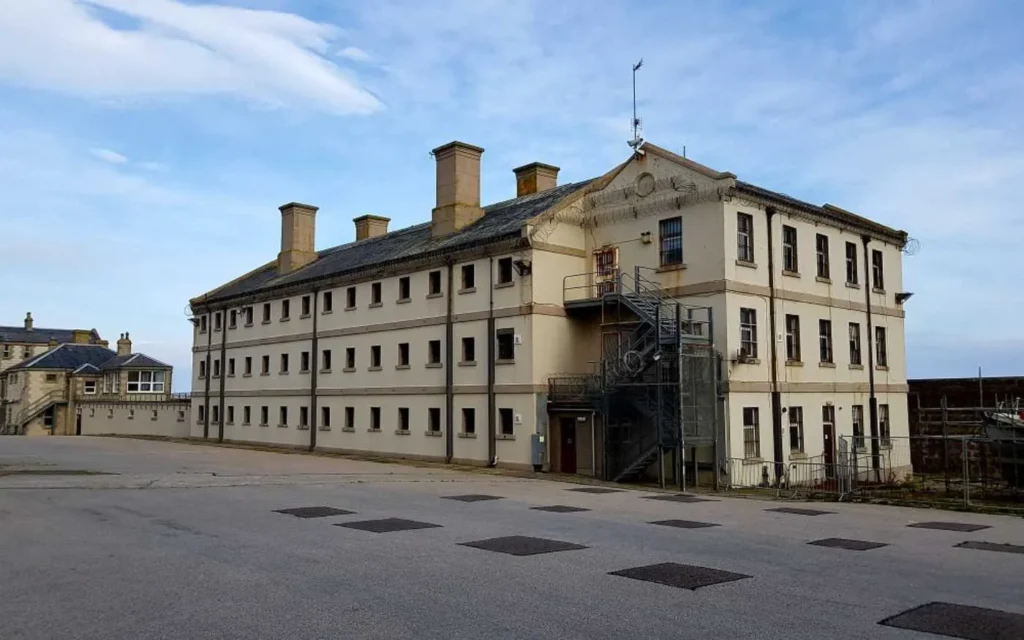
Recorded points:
(167, 419)
(17, 353)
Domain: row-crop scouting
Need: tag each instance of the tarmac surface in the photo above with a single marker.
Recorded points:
(128, 539)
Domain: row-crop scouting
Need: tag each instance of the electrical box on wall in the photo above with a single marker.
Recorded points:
(518, 419)
(517, 339)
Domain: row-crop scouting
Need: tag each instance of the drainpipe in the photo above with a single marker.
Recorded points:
(314, 352)
(449, 372)
(492, 438)
(223, 372)
(209, 372)
(872, 400)
(776, 397)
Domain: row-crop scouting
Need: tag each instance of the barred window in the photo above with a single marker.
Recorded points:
(748, 332)
(745, 237)
(857, 415)
(821, 244)
(825, 340)
(790, 260)
(671, 234)
(751, 433)
(796, 429)
(855, 343)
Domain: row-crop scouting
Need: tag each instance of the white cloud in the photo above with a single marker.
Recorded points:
(107, 155)
(354, 53)
(267, 57)
(153, 166)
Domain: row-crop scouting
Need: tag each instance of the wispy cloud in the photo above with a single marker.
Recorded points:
(108, 155)
(355, 53)
(176, 49)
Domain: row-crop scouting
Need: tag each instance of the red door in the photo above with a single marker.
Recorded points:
(568, 445)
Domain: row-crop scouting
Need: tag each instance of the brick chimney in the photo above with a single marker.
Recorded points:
(298, 230)
(534, 178)
(124, 345)
(370, 226)
(28, 321)
(458, 187)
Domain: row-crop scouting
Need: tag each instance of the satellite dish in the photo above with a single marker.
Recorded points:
(912, 247)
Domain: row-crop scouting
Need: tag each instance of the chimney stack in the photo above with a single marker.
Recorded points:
(124, 345)
(81, 336)
(298, 227)
(458, 188)
(52, 343)
(28, 321)
(535, 177)
(370, 226)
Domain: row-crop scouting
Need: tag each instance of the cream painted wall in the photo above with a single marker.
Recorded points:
(171, 419)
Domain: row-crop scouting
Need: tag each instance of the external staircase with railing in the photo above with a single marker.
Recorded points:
(35, 409)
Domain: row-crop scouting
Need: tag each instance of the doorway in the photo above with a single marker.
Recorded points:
(78, 425)
(828, 435)
(567, 444)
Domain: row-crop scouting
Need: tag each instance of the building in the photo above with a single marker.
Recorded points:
(663, 312)
(81, 387)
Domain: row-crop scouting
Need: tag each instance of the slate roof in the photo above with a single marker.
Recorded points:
(83, 357)
(501, 220)
(38, 335)
(133, 361)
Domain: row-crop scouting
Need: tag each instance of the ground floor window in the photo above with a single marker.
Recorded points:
(796, 429)
(883, 425)
(857, 414)
(751, 433)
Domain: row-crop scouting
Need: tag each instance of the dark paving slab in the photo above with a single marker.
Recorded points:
(797, 511)
(684, 524)
(960, 621)
(949, 526)
(683, 576)
(560, 508)
(523, 545)
(473, 497)
(681, 497)
(991, 546)
(314, 512)
(595, 490)
(846, 543)
(387, 525)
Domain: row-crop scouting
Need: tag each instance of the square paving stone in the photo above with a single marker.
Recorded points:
(314, 512)
(595, 490)
(960, 621)
(801, 512)
(680, 497)
(560, 508)
(473, 497)
(523, 545)
(387, 525)
(683, 576)
(845, 543)
(949, 526)
(991, 546)
(684, 524)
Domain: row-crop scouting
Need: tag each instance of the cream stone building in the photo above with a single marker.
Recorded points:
(661, 317)
(80, 387)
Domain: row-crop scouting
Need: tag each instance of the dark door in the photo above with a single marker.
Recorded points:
(828, 434)
(78, 425)
(568, 445)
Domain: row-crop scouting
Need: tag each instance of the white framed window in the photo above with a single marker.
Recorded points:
(145, 382)
(883, 426)
(748, 332)
(90, 387)
(751, 433)
(796, 429)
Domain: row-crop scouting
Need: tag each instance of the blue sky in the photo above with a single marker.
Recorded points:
(145, 145)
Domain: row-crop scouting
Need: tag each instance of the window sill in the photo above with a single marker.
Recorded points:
(881, 367)
(827, 365)
(852, 285)
(303, 427)
(246, 375)
(376, 305)
(265, 425)
(670, 267)
(282, 426)
(201, 332)
(467, 435)
(232, 327)
(216, 330)
(288, 319)
(794, 363)
(247, 324)
(402, 432)
(265, 373)
(216, 376)
(350, 308)
(797, 455)
(327, 312)
(282, 373)
(505, 436)
(349, 370)
(348, 429)
(823, 279)
(303, 316)
(245, 424)
(791, 274)
(231, 375)
(265, 322)
(856, 367)
(373, 430)
(403, 301)
(504, 285)
(400, 367)
(435, 295)
(749, 361)
(757, 460)
(200, 377)
(434, 365)
(505, 361)
(373, 369)
(467, 290)
(229, 423)
(432, 434)
(744, 263)
(468, 363)
(303, 371)
(877, 290)
(327, 428)
(325, 371)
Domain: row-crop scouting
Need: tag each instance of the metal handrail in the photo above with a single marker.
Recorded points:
(31, 411)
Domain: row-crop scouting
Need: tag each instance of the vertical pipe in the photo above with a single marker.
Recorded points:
(492, 433)
(945, 441)
(872, 400)
(223, 373)
(715, 366)
(449, 374)
(680, 456)
(206, 383)
(776, 397)
(314, 352)
(658, 390)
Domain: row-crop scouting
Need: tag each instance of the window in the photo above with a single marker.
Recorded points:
(506, 344)
(751, 433)
(283, 419)
(375, 356)
(181, 415)
(855, 343)
(217, 321)
(284, 363)
(7, 351)
(881, 353)
(825, 340)
(216, 367)
(505, 271)
(248, 316)
(214, 414)
(670, 233)
(264, 416)
(468, 420)
(506, 421)
(304, 362)
(325, 360)
(434, 283)
(248, 366)
(145, 382)
(821, 244)
(304, 308)
(328, 302)
(857, 415)
(404, 288)
(202, 413)
(265, 366)
(286, 309)
(877, 271)
(51, 377)
(796, 429)
(434, 419)
(202, 369)
(745, 237)
(350, 417)
(27, 352)
(266, 313)
(110, 380)
(789, 253)
(375, 295)
(231, 367)
(851, 263)
(375, 418)
(231, 414)
(246, 414)
(350, 298)
(403, 354)
(90, 387)
(325, 417)
(232, 319)
(828, 421)
(434, 352)
(304, 417)
(350, 357)
(403, 419)
(748, 332)
(468, 277)
(793, 338)
(202, 326)
(468, 350)
(883, 425)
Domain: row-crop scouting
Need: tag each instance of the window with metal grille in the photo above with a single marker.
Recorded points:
(854, 343)
(881, 353)
(751, 433)
(745, 237)
(851, 263)
(789, 251)
(877, 270)
(857, 416)
(748, 332)
(883, 425)
(670, 233)
(792, 338)
(825, 340)
(796, 429)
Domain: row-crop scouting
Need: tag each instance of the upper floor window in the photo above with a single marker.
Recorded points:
(789, 253)
(468, 350)
(825, 340)
(434, 352)
(304, 306)
(793, 338)
(505, 271)
(434, 283)
(27, 352)
(468, 277)
(506, 344)
(350, 298)
(404, 288)
(286, 309)
(670, 233)
(90, 387)
(248, 316)
(881, 350)
(851, 263)
(821, 244)
(7, 351)
(877, 271)
(748, 333)
(266, 312)
(328, 302)
(855, 343)
(145, 382)
(216, 321)
(202, 324)
(232, 319)
(375, 293)
(745, 237)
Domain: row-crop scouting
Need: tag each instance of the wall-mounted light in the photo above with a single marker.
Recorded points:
(645, 237)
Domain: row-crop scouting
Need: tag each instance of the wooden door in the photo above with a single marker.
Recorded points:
(567, 427)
